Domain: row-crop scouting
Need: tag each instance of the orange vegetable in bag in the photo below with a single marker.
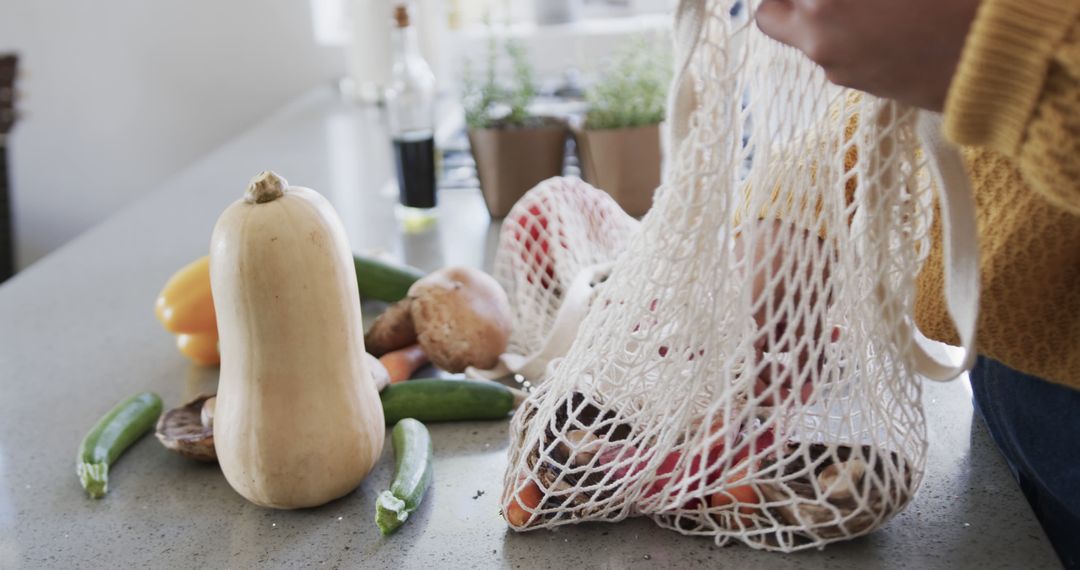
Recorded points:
(747, 496)
(528, 498)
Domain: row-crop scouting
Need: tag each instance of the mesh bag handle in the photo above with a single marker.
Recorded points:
(689, 28)
(961, 249)
(557, 336)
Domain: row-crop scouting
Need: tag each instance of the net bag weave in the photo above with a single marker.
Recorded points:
(556, 248)
(748, 371)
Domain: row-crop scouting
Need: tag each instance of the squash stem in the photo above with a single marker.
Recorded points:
(266, 187)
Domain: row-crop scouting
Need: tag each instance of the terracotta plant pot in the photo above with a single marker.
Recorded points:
(624, 163)
(510, 161)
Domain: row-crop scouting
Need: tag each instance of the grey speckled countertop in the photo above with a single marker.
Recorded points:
(77, 334)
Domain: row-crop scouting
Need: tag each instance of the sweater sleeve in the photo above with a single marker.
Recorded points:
(1017, 92)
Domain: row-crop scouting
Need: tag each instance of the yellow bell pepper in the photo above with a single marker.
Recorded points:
(201, 348)
(185, 305)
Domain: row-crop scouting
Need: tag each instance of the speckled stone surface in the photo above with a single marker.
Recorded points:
(77, 334)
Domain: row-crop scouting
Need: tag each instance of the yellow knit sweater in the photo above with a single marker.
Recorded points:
(1014, 106)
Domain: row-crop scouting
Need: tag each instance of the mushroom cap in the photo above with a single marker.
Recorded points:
(841, 503)
(462, 318)
(182, 430)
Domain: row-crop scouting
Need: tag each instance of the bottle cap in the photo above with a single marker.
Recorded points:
(401, 16)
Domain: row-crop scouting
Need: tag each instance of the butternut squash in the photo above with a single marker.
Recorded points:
(298, 421)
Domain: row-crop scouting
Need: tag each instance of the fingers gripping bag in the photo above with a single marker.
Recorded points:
(749, 371)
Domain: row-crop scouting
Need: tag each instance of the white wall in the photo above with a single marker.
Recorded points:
(120, 94)
(586, 45)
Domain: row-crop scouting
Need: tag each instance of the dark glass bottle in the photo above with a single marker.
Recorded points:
(410, 105)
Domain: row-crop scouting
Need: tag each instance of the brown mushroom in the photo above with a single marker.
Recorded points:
(839, 504)
(841, 481)
(185, 431)
(462, 318)
(393, 329)
(581, 446)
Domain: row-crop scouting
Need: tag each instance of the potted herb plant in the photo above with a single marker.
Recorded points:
(619, 142)
(514, 149)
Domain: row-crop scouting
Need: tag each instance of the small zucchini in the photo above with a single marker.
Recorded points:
(436, 400)
(412, 475)
(383, 281)
(111, 435)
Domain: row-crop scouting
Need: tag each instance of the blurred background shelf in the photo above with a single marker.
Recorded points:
(120, 96)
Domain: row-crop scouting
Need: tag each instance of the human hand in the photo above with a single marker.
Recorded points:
(906, 50)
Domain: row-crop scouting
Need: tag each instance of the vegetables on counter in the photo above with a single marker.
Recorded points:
(111, 435)
(402, 363)
(460, 316)
(185, 305)
(296, 400)
(412, 475)
(280, 299)
(189, 429)
(437, 400)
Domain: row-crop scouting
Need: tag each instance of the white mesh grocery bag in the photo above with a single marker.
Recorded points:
(556, 247)
(748, 371)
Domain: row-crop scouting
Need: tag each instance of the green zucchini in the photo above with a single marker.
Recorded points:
(384, 281)
(436, 400)
(412, 475)
(111, 435)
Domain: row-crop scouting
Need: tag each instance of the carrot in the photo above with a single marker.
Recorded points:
(745, 495)
(403, 362)
(530, 496)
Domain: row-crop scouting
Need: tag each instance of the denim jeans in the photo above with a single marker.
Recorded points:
(1036, 425)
